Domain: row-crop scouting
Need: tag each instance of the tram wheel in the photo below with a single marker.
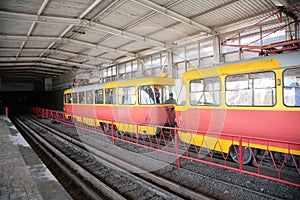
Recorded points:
(246, 152)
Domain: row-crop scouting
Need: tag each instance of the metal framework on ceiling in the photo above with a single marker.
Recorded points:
(291, 24)
(46, 39)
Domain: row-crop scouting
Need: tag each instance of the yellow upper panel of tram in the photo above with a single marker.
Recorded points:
(234, 68)
(68, 91)
(141, 81)
(136, 82)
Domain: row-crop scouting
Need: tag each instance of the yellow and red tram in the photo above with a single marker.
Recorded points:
(122, 103)
(252, 100)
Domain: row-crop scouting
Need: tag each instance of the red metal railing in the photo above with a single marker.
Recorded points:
(167, 140)
(4, 110)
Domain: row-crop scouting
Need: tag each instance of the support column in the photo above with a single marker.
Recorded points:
(142, 71)
(48, 84)
(240, 49)
(216, 47)
(292, 31)
(170, 64)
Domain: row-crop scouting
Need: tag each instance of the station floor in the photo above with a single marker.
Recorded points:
(22, 174)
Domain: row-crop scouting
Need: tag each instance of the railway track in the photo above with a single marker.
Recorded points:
(165, 141)
(205, 176)
(100, 178)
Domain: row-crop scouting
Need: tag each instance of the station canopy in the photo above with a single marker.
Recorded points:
(42, 39)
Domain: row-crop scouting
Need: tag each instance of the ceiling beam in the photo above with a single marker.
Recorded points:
(253, 20)
(30, 72)
(66, 68)
(31, 59)
(52, 51)
(63, 40)
(71, 26)
(43, 6)
(79, 22)
(255, 28)
(228, 3)
(28, 77)
(279, 3)
(15, 67)
(91, 7)
(20, 77)
(35, 69)
(165, 11)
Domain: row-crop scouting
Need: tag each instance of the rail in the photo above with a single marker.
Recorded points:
(210, 152)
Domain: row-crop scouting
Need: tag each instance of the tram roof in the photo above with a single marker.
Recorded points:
(251, 65)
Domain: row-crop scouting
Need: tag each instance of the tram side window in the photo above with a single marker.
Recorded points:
(205, 91)
(110, 96)
(68, 98)
(147, 95)
(99, 96)
(75, 99)
(81, 97)
(127, 95)
(291, 87)
(89, 97)
(255, 89)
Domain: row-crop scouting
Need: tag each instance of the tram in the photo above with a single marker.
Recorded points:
(124, 104)
(246, 103)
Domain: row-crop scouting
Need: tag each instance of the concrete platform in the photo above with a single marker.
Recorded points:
(22, 174)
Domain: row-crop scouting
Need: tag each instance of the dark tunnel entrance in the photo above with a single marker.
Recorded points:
(20, 102)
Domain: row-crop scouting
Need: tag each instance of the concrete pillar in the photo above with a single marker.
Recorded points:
(48, 84)
(216, 47)
(170, 64)
(140, 67)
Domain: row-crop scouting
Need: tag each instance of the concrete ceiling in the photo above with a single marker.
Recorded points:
(47, 38)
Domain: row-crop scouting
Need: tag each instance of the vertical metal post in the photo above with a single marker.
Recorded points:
(280, 16)
(296, 31)
(240, 49)
(73, 120)
(112, 133)
(176, 145)
(240, 154)
(82, 126)
(64, 120)
(137, 133)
